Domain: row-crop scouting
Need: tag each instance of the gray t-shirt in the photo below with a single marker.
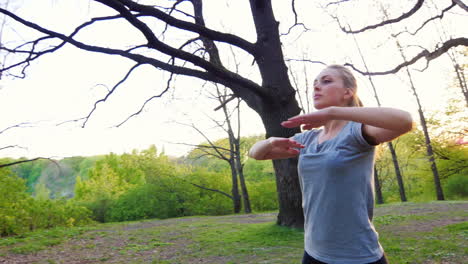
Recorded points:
(336, 179)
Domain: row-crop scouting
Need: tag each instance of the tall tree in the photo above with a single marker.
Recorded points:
(396, 165)
(273, 97)
(235, 155)
(423, 122)
(232, 154)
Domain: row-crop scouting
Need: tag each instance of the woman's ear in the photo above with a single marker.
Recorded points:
(349, 93)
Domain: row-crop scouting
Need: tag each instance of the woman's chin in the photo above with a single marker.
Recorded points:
(319, 106)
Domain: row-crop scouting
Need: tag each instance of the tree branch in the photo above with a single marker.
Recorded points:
(148, 100)
(206, 188)
(202, 30)
(423, 54)
(429, 20)
(306, 60)
(28, 160)
(86, 118)
(216, 148)
(23, 124)
(461, 4)
(296, 23)
(12, 146)
(214, 73)
(413, 10)
(336, 2)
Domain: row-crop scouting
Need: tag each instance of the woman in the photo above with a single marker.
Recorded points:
(336, 168)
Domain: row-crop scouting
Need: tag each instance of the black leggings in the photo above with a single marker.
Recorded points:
(310, 260)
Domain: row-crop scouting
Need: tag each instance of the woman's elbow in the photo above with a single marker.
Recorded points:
(409, 124)
(254, 155)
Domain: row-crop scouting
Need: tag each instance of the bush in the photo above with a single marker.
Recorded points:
(20, 213)
(457, 186)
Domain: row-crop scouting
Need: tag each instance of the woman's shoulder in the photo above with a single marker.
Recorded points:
(306, 136)
(355, 134)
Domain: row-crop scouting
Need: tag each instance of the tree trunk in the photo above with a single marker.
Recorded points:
(245, 193)
(430, 155)
(399, 177)
(462, 81)
(287, 181)
(235, 189)
(430, 152)
(390, 145)
(378, 188)
(280, 105)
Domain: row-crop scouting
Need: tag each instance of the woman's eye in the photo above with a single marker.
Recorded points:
(326, 81)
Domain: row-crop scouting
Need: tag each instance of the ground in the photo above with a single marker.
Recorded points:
(426, 233)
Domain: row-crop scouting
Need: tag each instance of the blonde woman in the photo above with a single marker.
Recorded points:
(336, 160)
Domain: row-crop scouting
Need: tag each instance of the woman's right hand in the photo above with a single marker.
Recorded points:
(285, 146)
(275, 148)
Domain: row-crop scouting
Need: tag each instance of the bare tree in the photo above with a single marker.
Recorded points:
(232, 154)
(235, 155)
(198, 56)
(430, 152)
(396, 165)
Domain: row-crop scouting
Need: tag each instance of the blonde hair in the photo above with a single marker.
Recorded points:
(349, 82)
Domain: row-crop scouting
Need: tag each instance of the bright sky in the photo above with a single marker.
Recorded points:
(64, 86)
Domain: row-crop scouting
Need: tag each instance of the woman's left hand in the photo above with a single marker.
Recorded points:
(310, 120)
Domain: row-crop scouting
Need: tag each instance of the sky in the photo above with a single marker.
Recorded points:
(65, 85)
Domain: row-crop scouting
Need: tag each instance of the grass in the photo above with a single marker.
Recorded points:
(410, 233)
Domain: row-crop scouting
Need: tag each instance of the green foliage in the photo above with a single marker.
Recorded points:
(263, 196)
(209, 202)
(456, 187)
(19, 212)
(14, 204)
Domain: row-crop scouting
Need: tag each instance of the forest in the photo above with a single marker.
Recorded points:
(147, 184)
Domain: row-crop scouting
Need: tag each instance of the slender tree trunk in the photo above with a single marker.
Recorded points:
(430, 152)
(396, 165)
(462, 81)
(401, 186)
(235, 189)
(245, 193)
(430, 155)
(460, 71)
(378, 188)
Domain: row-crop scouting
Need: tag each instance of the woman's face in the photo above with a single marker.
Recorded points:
(329, 90)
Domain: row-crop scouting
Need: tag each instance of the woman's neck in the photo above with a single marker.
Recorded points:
(333, 126)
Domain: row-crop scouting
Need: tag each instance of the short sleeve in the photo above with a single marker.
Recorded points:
(305, 138)
(299, 137)
(356, 132)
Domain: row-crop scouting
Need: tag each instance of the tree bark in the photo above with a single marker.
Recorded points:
(245, 193)
(378, 188)
(390, 145)
(430, 155)
(462, 81)
(430, 152)
(287, 181)
(401, 186)
(279, 106)
(235, 187)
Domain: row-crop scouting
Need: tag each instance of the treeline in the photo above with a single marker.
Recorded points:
(138, 185)
(149, 184)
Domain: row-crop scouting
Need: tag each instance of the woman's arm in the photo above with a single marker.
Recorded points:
(381, 124)
(275, 148)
